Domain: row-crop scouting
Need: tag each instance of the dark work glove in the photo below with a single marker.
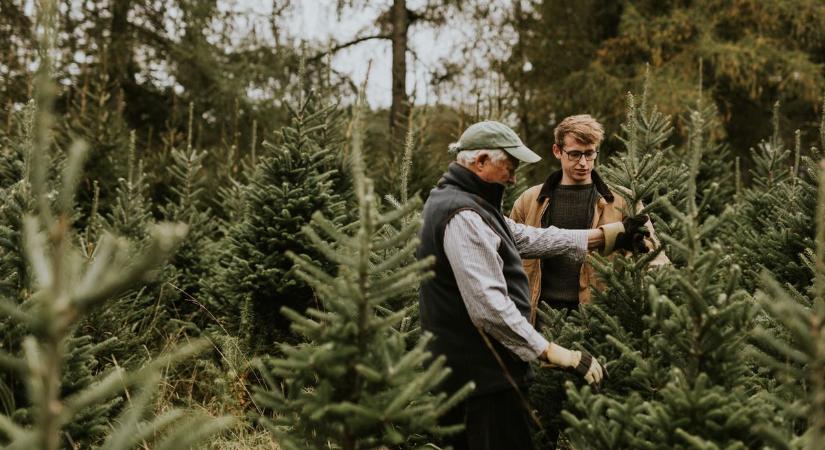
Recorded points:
(635, 232)
(578, 361)
(592, 371)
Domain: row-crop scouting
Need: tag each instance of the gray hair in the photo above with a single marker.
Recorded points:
(467, 157)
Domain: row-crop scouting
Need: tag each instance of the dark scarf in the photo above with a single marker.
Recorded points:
(555, 178)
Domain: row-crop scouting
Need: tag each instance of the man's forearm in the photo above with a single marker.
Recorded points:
(544, 242)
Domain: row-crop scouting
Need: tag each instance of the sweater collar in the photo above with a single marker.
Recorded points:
(555, 179)
(466, 180)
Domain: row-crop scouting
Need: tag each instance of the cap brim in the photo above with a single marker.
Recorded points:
(523, 154)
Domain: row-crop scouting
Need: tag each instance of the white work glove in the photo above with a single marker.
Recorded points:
(581, 362)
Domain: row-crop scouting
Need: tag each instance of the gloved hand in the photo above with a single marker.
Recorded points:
(581, 362)
(635, 232)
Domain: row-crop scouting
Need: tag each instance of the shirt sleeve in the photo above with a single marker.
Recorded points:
(471, 248)
(535, 242)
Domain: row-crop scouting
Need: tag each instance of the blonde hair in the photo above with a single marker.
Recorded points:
(582, 127)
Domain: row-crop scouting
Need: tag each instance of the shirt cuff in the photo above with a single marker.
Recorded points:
(538, 344)
(580, 244)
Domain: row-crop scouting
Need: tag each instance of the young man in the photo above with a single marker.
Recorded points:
(477, 302)
(574, 197)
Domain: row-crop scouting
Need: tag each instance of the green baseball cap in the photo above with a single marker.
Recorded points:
(491, 135)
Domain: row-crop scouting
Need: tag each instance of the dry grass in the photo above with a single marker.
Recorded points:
(243, 437)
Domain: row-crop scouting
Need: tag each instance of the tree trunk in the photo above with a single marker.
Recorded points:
(400, 108)
(519, 79)
(119, 54)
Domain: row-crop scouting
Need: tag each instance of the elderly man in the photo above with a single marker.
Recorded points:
(477, 304)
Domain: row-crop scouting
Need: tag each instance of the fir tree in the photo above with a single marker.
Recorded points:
(291, 181)
(92, 118)
(641, 177)
(15, 201)
(799, 353)
(131, 212)
(681, 378)
(790, 342)
(353, 384)
(65, 287)
(126, 319)
(187, 205)
(773, 226)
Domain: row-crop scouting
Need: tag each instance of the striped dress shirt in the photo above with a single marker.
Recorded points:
(472, 250)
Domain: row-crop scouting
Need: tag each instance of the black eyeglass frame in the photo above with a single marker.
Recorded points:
(570, 153)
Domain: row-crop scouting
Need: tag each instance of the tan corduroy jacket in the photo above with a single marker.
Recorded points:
(531, 206)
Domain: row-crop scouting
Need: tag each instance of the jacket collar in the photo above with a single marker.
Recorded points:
(466, 180)
(555, 178)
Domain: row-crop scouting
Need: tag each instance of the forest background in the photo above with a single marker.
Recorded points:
(241, 134)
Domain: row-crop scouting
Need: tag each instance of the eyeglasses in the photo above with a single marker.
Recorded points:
(575, 155)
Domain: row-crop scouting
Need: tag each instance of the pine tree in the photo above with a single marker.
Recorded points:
(773, 226)
(15, 201)
(291, 181)
(410, 300)
(131, 212)
(65, 287)
(188, 205)
(798, 354)
(91, 118)
(790, 341)
(352, 384)
(126, 318)
(682, 378)
(640, 176)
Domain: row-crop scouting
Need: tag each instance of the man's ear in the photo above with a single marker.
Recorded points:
(482, 159)
(556, 151)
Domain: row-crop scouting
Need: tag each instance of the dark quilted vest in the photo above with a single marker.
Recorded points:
(442, 310)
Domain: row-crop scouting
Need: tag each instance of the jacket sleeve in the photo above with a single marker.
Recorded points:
(518, 213)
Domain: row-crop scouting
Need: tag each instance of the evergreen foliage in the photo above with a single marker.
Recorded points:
(353, 384)
(192, 261)
(723, 349)
(65, 287)
(291, 182)
(15, 201)
(131, 212)
(797, 353)
(95, 117)
(753, 53)
(674, 337)
(774, 225)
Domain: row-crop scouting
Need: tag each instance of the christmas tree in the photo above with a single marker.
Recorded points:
(675, 338)
(65, 287)
(353, 384)
(187, 204)
(790, 344)
(774, 219)
(291, 182)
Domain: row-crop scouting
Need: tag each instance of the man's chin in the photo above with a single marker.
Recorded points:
(581, 178)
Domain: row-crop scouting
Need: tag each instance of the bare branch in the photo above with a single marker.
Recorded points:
(356, 41)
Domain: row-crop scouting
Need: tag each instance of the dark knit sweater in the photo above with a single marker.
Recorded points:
(571, 207)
